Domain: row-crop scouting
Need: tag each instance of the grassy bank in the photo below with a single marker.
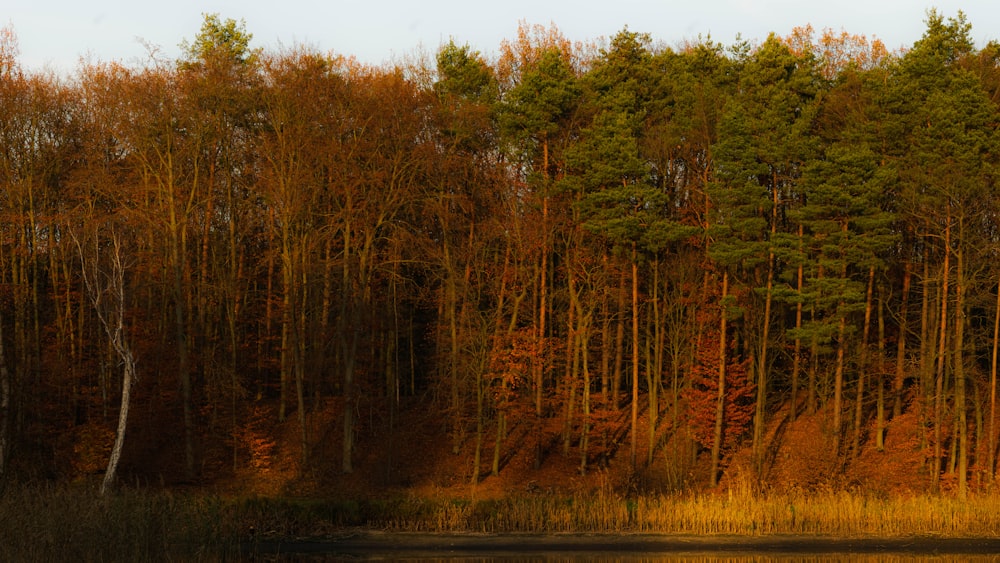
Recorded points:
(58, 523)
(49, 523)
(839, 514)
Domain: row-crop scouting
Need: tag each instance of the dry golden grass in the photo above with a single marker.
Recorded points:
(733, 513)
(64, 523)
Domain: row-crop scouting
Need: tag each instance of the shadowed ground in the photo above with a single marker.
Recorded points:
(376, 543)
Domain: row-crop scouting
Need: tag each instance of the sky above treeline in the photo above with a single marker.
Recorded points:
(58, 34)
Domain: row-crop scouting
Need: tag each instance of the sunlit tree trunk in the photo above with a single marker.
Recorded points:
(572, 360)
(760, 409)
(635, 354)
(928, 304)
(991, 470)
(942, 354)
(584, 339)
(501, 419)
(797, 351)
(959, 363)
(654, 368)
(451, 314)
(880, 421)
(619, 365)
(234, 313)
(897, 382)
(720, 401)
(863, 364)
(543, 297)
(838, 381)
(839, 369)
(480, 429)
(288, 345)
(812, 398)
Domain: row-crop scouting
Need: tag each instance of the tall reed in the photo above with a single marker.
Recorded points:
(829, 513)
(41, 523)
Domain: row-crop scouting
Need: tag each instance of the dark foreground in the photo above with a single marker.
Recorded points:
(367, 544)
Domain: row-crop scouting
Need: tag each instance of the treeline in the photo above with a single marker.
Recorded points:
(546, 249)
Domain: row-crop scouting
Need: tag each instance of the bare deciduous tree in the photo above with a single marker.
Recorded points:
(103, 266)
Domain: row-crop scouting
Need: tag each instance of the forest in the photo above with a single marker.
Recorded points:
(617, 253)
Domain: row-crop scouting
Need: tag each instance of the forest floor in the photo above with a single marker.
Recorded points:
(415, 457)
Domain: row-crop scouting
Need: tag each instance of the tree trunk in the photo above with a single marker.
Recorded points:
(348, 321)
(451, 308)
(863, 364)
(897, 382)
(942, 355)
(959, 366)
(572, 360)
(501, 300)
(300, 359)
(880, 380)
(585, 430)
(635, 354)
(480, 430)
(183, 368)
(606, 345)
(654, 369)
(288, 306)
(797, 354)
(927, 351)
(992, 456)
(350, 347)
(720, 401)
(812, 399)
(111, 314)
(543, 297)
(125, 355)
(6, 415)
(760, 408)
(617, 373)
(838, 381)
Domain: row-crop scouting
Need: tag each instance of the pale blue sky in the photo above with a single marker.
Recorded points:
(57, 33)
